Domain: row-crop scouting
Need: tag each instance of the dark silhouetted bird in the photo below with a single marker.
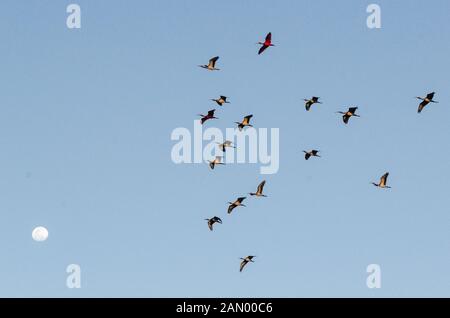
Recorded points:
(312, 101)
(259, 190)
(267, 42)
(245, 122)
(383, 182)
(349, 113)
(210, 115)
(245, 261)
(235, 204)
(211, 65)
(213, 220)
(312, 153)
(425, 101)
(221, 100)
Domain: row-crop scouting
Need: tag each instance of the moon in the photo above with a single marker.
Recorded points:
(39, 234)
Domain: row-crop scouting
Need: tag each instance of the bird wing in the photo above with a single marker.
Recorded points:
(262, 49)
(211, 113)
(383, 179)
(307, 155)
(308, 104)
(231, 207)
(422, 106)
(345, 118)
(269, 37)
(352, 109)
(240, 199)
(243, 263)
(210, 224)
(224, 98)
(430, 96)
(212, 62)
(261, 187)
(247, 119)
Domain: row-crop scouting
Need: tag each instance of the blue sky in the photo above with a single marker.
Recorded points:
(85, 124)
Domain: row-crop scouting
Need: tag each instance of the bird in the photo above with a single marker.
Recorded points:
(349, 113)
(245, 122)
(383, 182)
(312, 101)
(211, 64)
(213, 220)
(245, 261)
(425, 101)
(259, 190)
(216, 161)
(267, 42)
(236, 203)
(312, 153)
(221, 100)
(208, 116)
(226, 144)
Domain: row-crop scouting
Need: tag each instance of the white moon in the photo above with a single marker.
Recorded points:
(39, 234)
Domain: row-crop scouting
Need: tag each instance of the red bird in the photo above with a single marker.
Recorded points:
(266, 43)
(210, 115)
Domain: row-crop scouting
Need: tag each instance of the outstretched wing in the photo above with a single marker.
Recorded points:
(352, 109)
(262, 49)
(308, 104)
(261, 187)
(383, 180)
(243, 263)
(422, 106)
(247, 119)
(345, 118)
(212, 61)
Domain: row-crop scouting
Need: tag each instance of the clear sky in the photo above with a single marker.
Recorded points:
(85, 122)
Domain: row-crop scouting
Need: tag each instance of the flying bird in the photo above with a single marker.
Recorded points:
(312, 101)
(259, 190)
(245, 261)
(235, 204)
(349, 113)
(216, 161)
(383, 182)
(221, 100)
(245, 122)
(267, 42)
(312, 153)
(211, 65)
(208, 116)
(226, 144)
(425, 101)
(213, 220)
